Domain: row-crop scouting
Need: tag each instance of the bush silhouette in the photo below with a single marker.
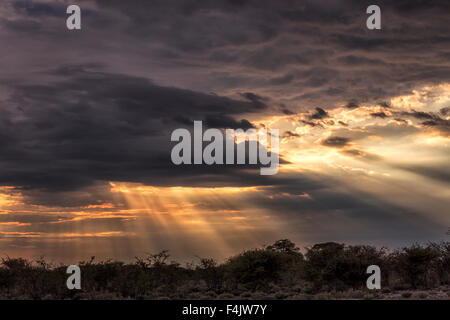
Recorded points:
(277, 271)
(256, 266)
(416, 264)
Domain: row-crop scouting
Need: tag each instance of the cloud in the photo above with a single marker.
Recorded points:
(431, 120)
(289, 134)
(361, 154)
(381, 115)
(66, 130)
(318, 114)
(336, 142)
(443, 126)
(441, 174)
(287, 111)
(445, 111)
(36, 9)
(352, 105)
(419, 115)
(282, 51)
(385, 104)
(311, 123)
(87, 126)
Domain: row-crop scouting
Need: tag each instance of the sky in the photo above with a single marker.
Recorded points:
(86, 117)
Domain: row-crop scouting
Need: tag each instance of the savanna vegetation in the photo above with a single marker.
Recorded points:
(278, 271)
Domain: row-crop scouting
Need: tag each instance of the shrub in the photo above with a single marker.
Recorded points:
(442, 263)
(336, 266)
(414, 264)
(257, 267)
(278, 271)
(285, 246)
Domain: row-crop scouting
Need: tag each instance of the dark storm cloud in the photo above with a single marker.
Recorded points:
(318, 114)
(442, 125)
(431, 119)
(31, 218)
(33, 8)
(311, 123)
(409, 6)
(63, 134)
(301, 53)
(381, 115)
(337, 142)
(352, 60)
(384, 104)
(352, 105)
(227, 122)
(420, 115)
(290, 134)
(437, 123)
(401, 120)
(283, 80)
(361, 154)
(287, 111)
(90, 126)
(256, 99)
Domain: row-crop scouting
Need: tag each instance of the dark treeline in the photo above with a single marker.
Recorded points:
(277, 271)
